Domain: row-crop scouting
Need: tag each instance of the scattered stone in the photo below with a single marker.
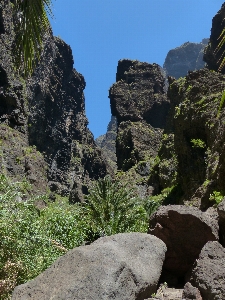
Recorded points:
(123, 266)
(166, 293)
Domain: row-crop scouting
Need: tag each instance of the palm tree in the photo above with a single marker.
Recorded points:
(31, 22)
(111, 208)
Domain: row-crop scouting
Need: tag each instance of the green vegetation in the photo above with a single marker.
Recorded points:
(216, 197)
(198, 143)
(31, 239)
(32, 23)
(112, 208)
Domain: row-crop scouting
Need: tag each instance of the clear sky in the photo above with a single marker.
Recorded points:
(101, 32)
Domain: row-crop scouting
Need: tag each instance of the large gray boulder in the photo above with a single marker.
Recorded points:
(208, 274)
(184, 230)
(221, 213)
(123, 266)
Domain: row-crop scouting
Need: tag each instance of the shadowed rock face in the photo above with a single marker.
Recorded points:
(187, 57)
(107, 143)
(58, 125)
(199, 134)
(48, 109)
(184, 230)
(119, 267)
(212, 57)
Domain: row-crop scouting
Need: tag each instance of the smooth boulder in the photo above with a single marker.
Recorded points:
(184, 230)
(122, 266)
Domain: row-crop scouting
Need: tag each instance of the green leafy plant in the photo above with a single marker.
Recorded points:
(216, 197)
(198, 143)
(111, 208)
(32, 239)
(31, 23)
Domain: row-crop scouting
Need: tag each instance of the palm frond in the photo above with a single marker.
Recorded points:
(221, 103)
(31, 23)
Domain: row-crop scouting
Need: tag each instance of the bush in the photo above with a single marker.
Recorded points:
(30, 239)
(111, 208)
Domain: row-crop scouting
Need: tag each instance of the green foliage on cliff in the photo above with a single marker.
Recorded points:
(31, 23)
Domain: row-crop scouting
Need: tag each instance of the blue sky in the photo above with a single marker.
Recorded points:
(101, 32)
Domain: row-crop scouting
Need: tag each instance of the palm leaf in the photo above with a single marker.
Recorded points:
(31, 23)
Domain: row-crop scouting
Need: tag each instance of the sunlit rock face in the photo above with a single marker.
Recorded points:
(187, 57)
(46, 110)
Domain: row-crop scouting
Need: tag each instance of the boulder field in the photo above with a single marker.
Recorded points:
(180, 258)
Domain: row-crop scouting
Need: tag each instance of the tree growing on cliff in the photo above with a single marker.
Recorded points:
(31, 23)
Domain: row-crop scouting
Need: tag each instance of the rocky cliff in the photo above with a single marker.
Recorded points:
(107, 143)
(187, 57)
(45, 113)
(139, 102)
(168, 144)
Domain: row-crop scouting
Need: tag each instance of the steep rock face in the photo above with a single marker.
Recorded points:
(211, 56)
(107, 143)
(57, 122)
(138, 93)
(140, 105)
(18, 159)
(187, 57)
(199, 135)
(48, 109)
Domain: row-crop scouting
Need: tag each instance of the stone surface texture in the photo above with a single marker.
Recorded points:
(107, 143)
(184, 230)
(191, 293)
(221, 213)
(123, 266)
(48, 110)
(198, 135)
(187, 57)
(208, 275)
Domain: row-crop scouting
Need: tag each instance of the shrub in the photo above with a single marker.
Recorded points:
(30, 239)
(111, 208)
